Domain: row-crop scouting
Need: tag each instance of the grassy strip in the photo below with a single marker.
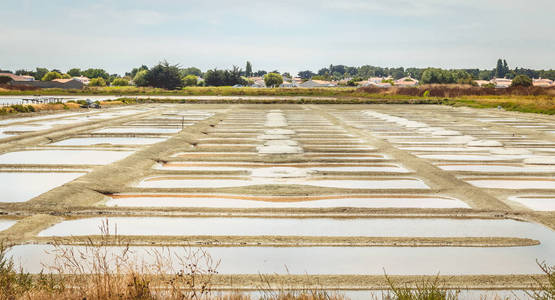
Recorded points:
(540, 106)
(544, 103)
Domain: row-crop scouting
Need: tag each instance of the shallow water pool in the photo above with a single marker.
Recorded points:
(23, 186)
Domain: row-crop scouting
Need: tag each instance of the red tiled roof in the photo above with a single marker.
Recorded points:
(15, 77)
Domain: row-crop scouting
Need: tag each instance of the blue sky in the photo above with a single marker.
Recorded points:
(284, 35)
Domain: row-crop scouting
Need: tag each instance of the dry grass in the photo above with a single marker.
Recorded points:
(542, 290)
(109, 269)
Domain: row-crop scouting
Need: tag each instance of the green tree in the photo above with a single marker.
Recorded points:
(66, 76)
(51, 76)
(521, 80)
(260, 73)
(25, 72)
(40, 73)
(305, 74)
(224, 77)
(485, 75)
(95, 73)
(75, 72)
(134, 72)
(140, 78)
(502, 68)
(248, 69)
(120, 82)
(191, 71)
(435, 75)
(273, 79)
(99, 81)
(164, 76)
(190, 80)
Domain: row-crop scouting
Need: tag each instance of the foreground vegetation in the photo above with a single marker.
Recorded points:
(96, 272)
(531, 99)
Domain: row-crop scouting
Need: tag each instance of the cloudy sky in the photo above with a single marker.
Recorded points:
(285, 35)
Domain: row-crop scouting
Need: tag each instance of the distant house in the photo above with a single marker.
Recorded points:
(56, 83)
(501, 83)
(23, 78)
(297, 80)
(288, 84)
(377, 84)
(543, 82)
(482, 82)
(377, 79)
(317, 83)
(83, 79)
(406, 82)
(259, 83)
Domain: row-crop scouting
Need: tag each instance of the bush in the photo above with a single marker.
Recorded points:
(140, 78)
(20, 108)
(5, 79)
(120, 82)
(273, 79)
(97, 82)
(190, 80)
(522, 80)
(51, 76)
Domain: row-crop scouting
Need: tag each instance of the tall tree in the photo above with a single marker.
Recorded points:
(305, 74)
(40, 73)
(248, 69)
(502, 68)
(164, 76)
(75, 72)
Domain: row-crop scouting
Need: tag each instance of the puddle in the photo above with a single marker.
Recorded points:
(22, 186)
(380, 294)
(443, 149)
(108, 140)
(513, 183)
(215, 201)
(199, 182)
(536, 202)
(63, 157)
(497, 168)
(6, 223)
(469, 157)
(330, 167)
(334, 260)
(242, 226)
(153, 130)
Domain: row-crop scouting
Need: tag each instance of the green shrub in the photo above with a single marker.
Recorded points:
(51, 76)
(20, 108)
(190, 80)
(99, 81)
(120, 82)
(273, 79)
(5, 79)
(522, 80)
(426, 93)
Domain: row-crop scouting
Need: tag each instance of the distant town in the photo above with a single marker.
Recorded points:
(165, 75)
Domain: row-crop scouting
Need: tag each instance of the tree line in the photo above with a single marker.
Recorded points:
(168, 76)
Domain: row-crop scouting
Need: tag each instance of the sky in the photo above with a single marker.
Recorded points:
(286, 35)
